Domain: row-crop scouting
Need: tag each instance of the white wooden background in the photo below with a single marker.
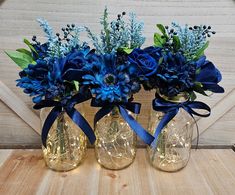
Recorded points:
(17, 20)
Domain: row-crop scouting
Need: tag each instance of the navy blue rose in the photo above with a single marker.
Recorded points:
(77, 59)
(76, 64)
(145, 61)
(209, 76)
(155, 52)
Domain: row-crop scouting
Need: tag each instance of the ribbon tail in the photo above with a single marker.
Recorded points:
(80, 121)
(139, 130)
(101, 113)
(48, 123)
(164, 121)
(197, 105)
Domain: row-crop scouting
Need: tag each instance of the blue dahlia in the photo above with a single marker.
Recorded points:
(175, 74)
(42, 80)
(111, 78)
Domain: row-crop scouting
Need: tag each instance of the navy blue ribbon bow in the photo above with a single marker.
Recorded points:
(134, 107)
(171, 109)
(68, 107)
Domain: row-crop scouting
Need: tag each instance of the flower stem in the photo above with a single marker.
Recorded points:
(161, 145)
(60, 132)
(114, 122)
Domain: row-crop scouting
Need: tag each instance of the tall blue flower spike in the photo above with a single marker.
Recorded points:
(118, 33)
(192, 39)
(58, 46)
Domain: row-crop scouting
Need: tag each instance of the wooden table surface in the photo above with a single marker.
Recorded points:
(208, 172)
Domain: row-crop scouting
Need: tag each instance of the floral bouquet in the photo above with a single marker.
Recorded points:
(177, 68)
(113, 80)
(45, 77)
(65, 71)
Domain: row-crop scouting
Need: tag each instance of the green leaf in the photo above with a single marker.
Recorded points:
(30, 46)
(192, 96)
(198, 70)
(21, 59)
(158, 40)
(76, 83)
(176, 43)
(160, 60)
(198, 84)
(126, 50)
(200, 52)
(161, 28)
(198, 87)
(25, 51)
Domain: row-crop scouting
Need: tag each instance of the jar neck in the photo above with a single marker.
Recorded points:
(180, 98)
(115, 112)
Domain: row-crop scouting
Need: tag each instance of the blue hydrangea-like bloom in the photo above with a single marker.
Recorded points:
(42, 80)
(110, 78)
(45, 80)
(175, 74)
(35, 79)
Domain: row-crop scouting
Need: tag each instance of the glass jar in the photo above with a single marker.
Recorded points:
(66, 142)
(115, 145)
(172, 150)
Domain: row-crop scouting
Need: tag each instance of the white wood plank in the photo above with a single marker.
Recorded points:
(19, 107)
(221, 107)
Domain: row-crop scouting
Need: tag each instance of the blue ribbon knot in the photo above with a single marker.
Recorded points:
(170, 109)
(106, 107)
(68, 107)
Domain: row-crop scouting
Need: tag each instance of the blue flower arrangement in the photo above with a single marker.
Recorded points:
(65, 71)
(45, 75)
(110, 75)
(176, 66)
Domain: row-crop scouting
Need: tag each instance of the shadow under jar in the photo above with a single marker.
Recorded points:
(115, 146)
(172, 150)
(66, 142)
